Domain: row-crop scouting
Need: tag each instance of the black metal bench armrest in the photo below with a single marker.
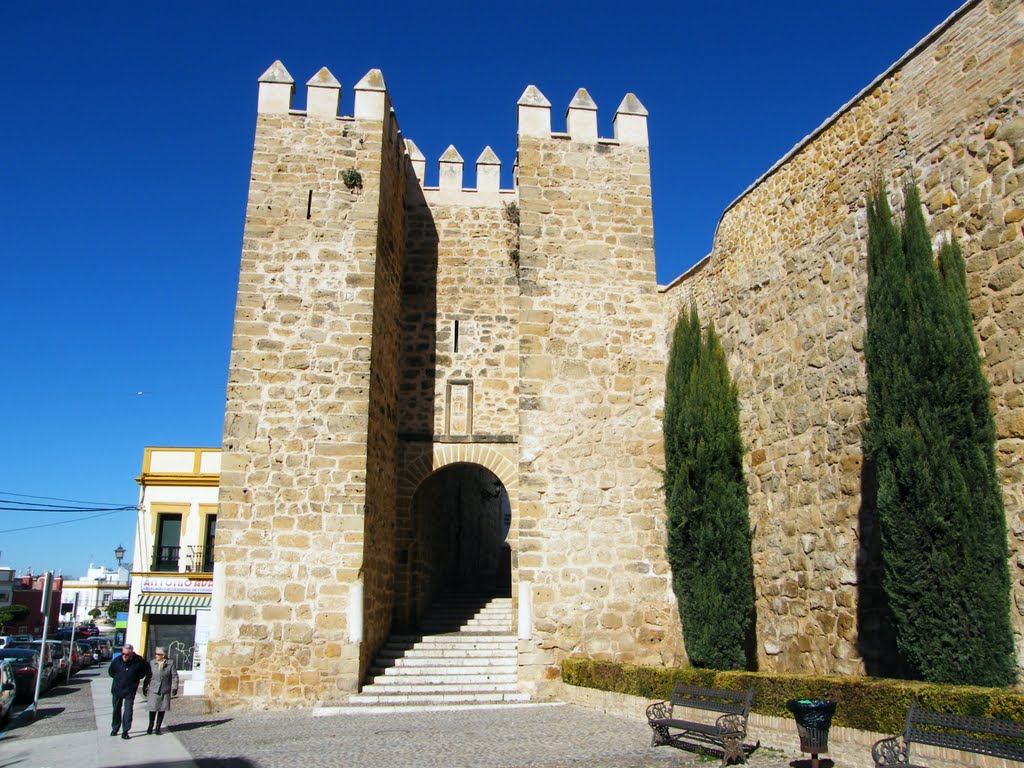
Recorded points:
(889, 751)
(659, 710)
(732, 725)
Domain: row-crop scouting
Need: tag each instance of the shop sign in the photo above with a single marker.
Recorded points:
(181, 586)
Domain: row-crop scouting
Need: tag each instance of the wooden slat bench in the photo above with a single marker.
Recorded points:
(726, 732)
(966, 733)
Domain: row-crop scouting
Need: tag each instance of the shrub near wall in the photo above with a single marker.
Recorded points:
(870, 704)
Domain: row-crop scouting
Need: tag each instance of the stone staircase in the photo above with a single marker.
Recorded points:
(465, 656)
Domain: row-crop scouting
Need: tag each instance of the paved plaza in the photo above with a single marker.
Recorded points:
(73, 726)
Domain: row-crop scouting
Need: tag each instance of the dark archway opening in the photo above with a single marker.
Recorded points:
(460, 518)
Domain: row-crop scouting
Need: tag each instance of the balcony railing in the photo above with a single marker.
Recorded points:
(166, 559)
(199, 560)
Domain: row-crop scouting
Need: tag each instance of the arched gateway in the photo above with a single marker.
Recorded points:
(438, 389)
(454, 529)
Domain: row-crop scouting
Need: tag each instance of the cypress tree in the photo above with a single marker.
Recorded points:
(706, 500)
(931, 437)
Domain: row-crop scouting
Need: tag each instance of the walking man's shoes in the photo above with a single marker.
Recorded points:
(124, 735)
(113, 733)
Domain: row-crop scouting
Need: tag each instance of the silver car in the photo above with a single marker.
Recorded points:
(8, 690)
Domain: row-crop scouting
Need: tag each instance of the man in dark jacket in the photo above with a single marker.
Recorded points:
(128, 670)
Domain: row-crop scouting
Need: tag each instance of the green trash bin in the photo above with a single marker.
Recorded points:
(813, 720)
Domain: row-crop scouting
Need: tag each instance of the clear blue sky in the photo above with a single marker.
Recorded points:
(127, 130)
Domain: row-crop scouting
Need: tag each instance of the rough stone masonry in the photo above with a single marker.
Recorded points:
(400, 351)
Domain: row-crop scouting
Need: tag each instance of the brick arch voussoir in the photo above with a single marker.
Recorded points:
(447, 454)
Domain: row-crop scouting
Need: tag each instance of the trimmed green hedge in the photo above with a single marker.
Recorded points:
(866, 703)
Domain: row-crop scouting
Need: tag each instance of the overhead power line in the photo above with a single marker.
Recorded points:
(55, 498)
(64, 522)
(70, 506)
(65, 509)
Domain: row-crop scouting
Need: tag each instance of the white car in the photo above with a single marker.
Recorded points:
(8, 690)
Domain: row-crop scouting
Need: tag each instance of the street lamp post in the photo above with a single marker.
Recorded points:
(119, 554)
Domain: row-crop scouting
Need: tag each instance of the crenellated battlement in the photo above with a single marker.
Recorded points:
(450, 189)
(323, 95)
(371, 102)
(629, 124)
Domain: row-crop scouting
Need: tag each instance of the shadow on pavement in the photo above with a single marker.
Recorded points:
(179, 727)
(807, 763)
(702, 749)
(206, 762)
(45, 712)
(24, 717)
(63, 689)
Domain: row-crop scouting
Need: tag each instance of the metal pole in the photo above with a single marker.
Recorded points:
(71, 645)
(47, 590)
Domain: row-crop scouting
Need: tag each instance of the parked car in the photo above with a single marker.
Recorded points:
(5, 639)
(83, 654)
(25, 663)
(89, 654)
(106, 647)
(48, 670)
(76, 657)
(8, 689)
(61, 655)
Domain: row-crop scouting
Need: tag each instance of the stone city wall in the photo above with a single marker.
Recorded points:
(785, 285)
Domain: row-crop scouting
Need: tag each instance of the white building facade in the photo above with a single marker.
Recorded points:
(6, 586)
(95, 591)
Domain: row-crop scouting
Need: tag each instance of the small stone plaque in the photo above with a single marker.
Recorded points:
(459, 408)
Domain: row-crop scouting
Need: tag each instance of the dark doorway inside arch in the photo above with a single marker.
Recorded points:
(460, 518)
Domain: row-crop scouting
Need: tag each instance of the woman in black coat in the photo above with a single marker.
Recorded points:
(160, 688)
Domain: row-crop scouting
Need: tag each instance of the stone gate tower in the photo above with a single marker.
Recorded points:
(438, 389)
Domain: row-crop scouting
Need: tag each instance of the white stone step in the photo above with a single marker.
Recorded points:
(445, 678)
(462, 641)
(398, 686)
(435, 698)
(487, 610)
(459, 615)
(420, 666)
(454, 666)
(444, 653)
(465, 656)
(439, 643)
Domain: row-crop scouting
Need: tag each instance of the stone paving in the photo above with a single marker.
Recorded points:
(64, 709)
(561, 736)
(532, 737)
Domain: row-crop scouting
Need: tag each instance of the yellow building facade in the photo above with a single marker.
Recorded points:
(172, 572)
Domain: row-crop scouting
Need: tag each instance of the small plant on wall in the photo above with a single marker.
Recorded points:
(511, 214)
(352, 179)
(706, 500)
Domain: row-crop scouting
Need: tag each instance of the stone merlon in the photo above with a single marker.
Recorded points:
(276, 89)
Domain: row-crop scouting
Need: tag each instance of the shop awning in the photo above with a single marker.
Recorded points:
(181, 605)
